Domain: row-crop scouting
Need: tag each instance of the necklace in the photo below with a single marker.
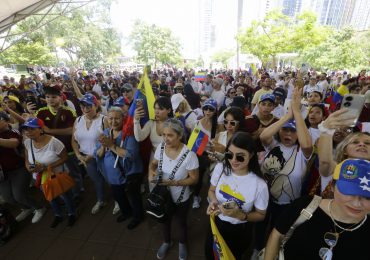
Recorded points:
(345, 229)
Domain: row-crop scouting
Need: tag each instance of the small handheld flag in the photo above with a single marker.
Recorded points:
(197, 141)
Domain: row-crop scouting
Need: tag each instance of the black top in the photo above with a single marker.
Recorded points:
(308, 238)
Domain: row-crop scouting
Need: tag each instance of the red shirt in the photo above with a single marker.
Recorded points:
(10, 158)
(65, 120)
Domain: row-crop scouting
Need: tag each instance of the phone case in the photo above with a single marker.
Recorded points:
(354, 103)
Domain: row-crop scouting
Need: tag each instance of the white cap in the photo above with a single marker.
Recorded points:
(176, 100)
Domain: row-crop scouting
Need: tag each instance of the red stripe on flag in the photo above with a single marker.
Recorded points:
(202, 145)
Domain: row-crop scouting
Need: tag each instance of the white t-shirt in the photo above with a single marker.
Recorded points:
(47, 154)
(288, 186)
(219, 96)
(190, 163)
(314, 133)
(247, 191)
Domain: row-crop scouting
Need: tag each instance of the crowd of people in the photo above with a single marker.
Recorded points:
(275, 138)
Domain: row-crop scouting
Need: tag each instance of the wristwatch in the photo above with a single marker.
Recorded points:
(325, 130)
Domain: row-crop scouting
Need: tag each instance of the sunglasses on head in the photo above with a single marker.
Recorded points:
(230, 155)
(231, 122)
(209, 108)
(331, 240)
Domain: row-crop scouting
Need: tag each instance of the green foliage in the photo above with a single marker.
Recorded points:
(28, 54)
(155, 44)
(85, 35)
(279, 33)
(223, 56)
(339, 51)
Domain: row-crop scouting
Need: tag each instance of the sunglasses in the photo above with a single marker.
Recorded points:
(331, 240)
(239, 157)
(209, 108)
(232, 92)
(231, 122)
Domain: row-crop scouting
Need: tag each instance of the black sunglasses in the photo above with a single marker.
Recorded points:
(232, 122)
(209, 108)
(229, 155)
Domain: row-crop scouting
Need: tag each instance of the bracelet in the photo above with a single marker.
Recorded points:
(325, 130)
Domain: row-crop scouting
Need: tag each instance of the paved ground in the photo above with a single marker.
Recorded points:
(98, 237)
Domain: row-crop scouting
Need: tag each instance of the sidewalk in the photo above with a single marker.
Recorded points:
(99, 237)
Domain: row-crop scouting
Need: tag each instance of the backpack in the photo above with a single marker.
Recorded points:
(159, 204)
(7, 225)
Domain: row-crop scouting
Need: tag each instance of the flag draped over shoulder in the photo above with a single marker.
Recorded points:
(220, 249)
(197, 141)
(145, 93)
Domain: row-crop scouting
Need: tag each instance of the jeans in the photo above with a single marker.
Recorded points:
(74, 171)
(97, 178)
(68, 200)
(128, 196)
(14, 189)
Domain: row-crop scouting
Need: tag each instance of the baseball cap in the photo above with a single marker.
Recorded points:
(127, 86)
(104, 87)
(33, 123)
(353, 177)
(210, 103)
(219, 81)
(11, 97)
(267, 96)
(89, 99)
(121, 101)
(290, 124)
(279, 92)
(176, 100)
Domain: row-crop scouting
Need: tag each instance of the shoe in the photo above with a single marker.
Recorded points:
(196, 202)
(56, 221)
(133, 224)
(123, 217)
(71, 220)
(97, 207)
(163, 249)
(183, 252)
(116, 208)
(23, 215)
(38, 215)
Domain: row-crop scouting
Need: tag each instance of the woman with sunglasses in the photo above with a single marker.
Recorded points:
(208, 125)
(170, 152)
(43, 151)
(238, 195)
(338, 229)
(86, 130)
(113, 95)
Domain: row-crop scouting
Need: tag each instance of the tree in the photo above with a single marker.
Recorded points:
(339, 51)
(223, 56)
(154, 44)
(279, 33)
(85, 35)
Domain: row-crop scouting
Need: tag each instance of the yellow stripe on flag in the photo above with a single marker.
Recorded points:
(193, 137)
(223, 252)
(146, 89)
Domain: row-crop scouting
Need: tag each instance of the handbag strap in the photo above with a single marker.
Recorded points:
(32, 153)
(305, 215)
(172, 175)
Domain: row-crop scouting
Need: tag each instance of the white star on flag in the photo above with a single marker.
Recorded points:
(367, 188)
(364, 180)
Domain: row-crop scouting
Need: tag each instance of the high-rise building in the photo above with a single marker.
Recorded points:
(207, 28)
(361, 15)
(291, 7)
(336, 13)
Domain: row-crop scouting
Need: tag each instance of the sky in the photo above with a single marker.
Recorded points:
(182, 17)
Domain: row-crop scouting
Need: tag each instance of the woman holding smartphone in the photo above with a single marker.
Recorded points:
(238, 195)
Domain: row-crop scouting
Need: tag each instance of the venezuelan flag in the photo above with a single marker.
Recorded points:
(339, 94)
(145, 93)
(220, 249)
(197, 141)
(200, 76)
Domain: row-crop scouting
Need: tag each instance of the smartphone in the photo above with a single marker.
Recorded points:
(354, 103)
(139, 101)
(229, 204)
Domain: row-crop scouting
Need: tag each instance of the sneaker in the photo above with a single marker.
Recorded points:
(71, 220)
(183, 252)
(196, 202)
(116, 208)
(23, 215)
(56, 221)
(38, 213)
(97, 207)
(163, 249)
